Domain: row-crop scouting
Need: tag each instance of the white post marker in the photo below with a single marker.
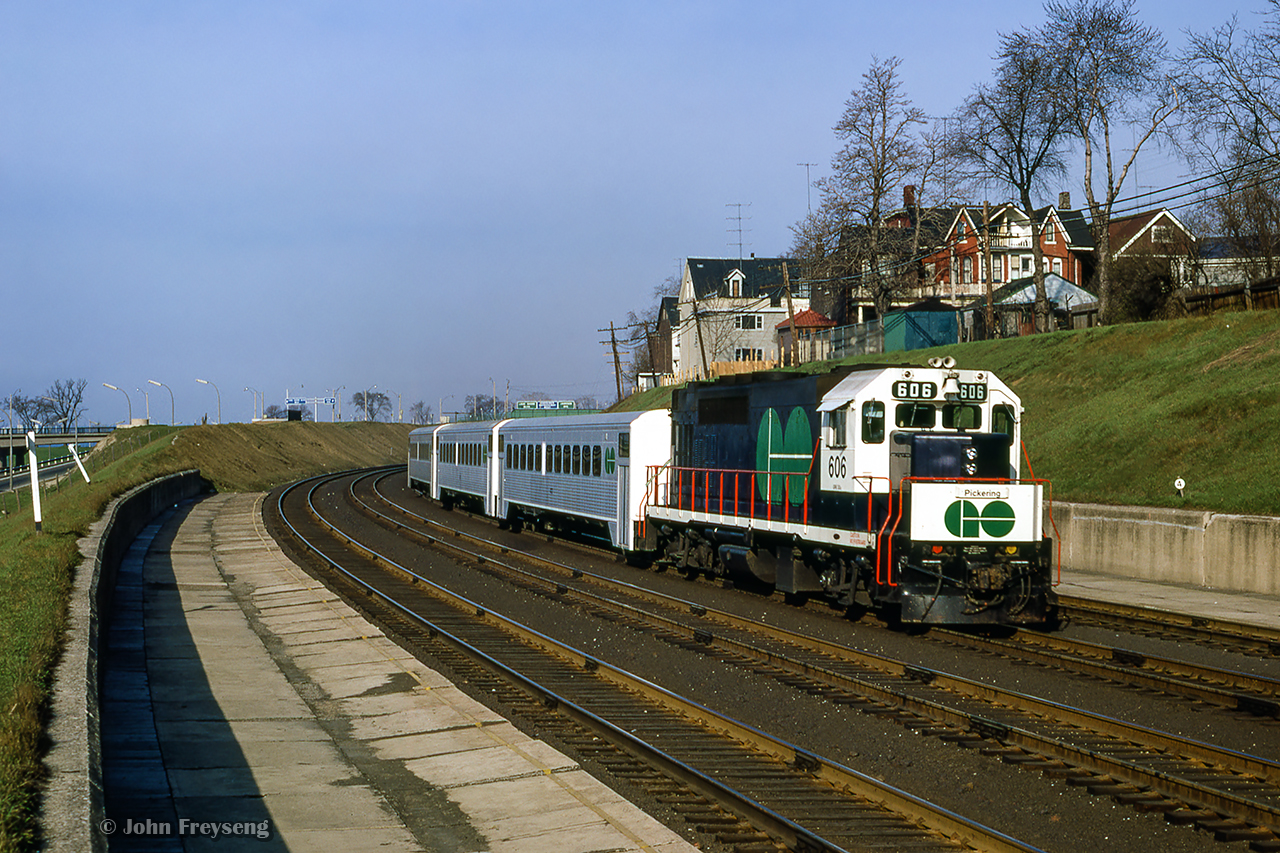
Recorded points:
(35, 477)
(79, 464)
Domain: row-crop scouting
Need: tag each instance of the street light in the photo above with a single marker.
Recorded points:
(219, 393)
(338, 394)
(173, 418)
(147, 398)
(399, 409)
(440, 408)
(255, 402)
(367, 394)
(113, 388)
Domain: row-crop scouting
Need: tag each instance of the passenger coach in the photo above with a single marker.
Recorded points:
(585, 472)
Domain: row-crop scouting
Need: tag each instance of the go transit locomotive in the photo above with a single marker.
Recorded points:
(894, 487)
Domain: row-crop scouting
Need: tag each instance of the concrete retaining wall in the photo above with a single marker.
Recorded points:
(1213, 550)
(73, 797)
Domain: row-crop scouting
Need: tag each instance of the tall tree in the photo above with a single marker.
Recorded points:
(1230, 79)
(1110, 74)
(371, 404)
(420, 413)
(880, 153)
(64, 400)
(1231, 82)
(1008, 131)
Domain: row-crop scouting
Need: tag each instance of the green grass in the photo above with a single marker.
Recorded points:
(36, 569)
(1116, 414)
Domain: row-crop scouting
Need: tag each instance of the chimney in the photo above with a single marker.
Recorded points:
(909, 196)
(1064, 201)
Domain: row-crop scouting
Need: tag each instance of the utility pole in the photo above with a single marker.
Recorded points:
(617, 364)
(791, 316)
(986, 264)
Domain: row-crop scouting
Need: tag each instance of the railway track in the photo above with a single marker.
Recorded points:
(1239, 691)
(1236, 796)
(1251, 640)
(747, 790)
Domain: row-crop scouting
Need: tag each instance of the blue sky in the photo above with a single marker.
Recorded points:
(427, 197)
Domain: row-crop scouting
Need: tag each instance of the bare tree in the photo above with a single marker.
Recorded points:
(1110, 74)
(371, 404)
(64, 400)
(420, 413)
(1231, 84)
(1230, 80)
(1010, 132)
(880, 152)
(28, 410)
(848, 239)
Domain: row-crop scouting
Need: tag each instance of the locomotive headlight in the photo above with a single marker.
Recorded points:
(1011, 549)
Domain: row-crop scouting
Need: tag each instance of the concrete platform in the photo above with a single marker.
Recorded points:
(243, 698)
(1247, 608)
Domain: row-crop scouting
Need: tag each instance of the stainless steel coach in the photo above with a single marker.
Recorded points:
(585, 471)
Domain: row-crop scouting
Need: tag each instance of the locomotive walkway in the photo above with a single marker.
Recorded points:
(244, 699)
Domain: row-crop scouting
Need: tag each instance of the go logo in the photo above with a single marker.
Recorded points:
(963, 519)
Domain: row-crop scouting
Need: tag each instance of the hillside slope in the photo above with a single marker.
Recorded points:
(1116, 414)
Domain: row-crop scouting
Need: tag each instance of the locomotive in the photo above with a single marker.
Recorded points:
(894, 487)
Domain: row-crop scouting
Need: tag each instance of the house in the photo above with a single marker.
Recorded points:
(956, 269)
(811, 343)
(1158, 234)
(728, 310)
(1235, 261)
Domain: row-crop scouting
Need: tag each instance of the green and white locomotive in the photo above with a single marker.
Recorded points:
(896, 487)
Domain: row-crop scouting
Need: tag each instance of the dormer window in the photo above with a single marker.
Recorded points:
(1050, 233)
(960, 228)
(734, 282)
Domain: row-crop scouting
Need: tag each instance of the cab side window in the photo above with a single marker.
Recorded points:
(872, 422)
(839, 420)
(1002, 420)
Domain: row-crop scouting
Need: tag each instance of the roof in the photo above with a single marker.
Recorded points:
(1126, 229)
(808, 318)
(1022, 291)
(760, 275)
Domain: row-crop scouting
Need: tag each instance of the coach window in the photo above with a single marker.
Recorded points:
(595, 460)
(872, 422)
(961, 416)
(915, 415)
(555, 465)
(624, 445)
(577, 459)
(839, 420)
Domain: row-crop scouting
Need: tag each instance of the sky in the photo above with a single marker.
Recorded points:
(429, 199)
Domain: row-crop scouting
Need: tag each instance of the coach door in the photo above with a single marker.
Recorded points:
(623, 536)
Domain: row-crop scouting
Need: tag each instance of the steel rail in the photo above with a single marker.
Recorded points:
(1229, 688)
(913, 808)
(1196, 792)
(1258, 639)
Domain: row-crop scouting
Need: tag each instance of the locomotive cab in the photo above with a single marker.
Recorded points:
(926, 461)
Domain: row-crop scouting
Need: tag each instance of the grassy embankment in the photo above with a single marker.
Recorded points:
(1114, 415)
(36, 569)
